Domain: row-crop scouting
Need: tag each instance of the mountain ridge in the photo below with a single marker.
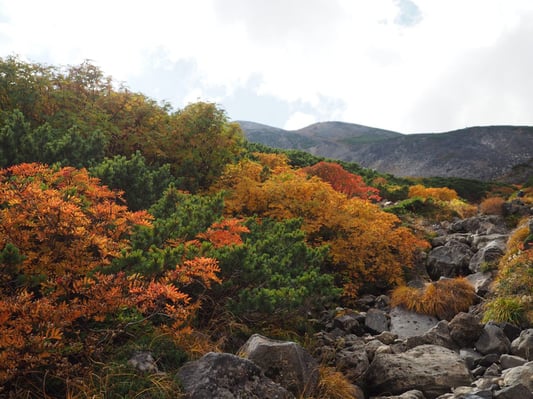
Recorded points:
(479, 152)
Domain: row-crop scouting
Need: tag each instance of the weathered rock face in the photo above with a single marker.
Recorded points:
(449, 260)
(377, 321)
(285, 362)
(519, 375)
(481, 225)
(406, 324)
(488, 254)
(465, 329)
(493, 340)
(432, 369)
(226, 376)
(523, 345)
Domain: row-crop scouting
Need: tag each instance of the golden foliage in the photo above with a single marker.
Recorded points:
(443, 298)
(492, 206)
(438, 193)
(368, 245)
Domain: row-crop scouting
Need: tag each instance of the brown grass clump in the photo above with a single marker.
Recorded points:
(492, 206)
(334, 385)
(443, 299)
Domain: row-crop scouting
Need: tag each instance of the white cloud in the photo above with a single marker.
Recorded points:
(299, 120)
(405, 65)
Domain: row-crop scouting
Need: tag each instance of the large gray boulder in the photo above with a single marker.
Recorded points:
(432, 369)
(450, 260)
(523, 345)
(285, 362)
(226, 376)
(493, 340)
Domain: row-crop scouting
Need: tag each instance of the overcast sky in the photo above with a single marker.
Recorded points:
(404, 65)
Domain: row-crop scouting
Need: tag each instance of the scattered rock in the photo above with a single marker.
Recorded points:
(377, 321)
(510, 361)
(488, 255)
(143, 362)
(493, 340)
(523, 345)
(223, 375)
(450, 260)
(517, 391)
(285, 362)
(432, 369)
(465, 329)
(519, 375)
(481, 281)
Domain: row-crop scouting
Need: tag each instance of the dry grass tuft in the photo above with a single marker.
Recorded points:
(334, 385)
(443, 299)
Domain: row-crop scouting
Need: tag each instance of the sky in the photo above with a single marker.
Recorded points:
(411, 66)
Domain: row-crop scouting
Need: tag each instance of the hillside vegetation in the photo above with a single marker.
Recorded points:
(128, 226)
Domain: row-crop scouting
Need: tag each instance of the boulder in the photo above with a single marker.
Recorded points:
(523, 345)
(493, 340)
(352, 362)
(510, 361)
(481, 281)
(450, 260)
(285, 362)
(487, 255)
(377, 321)
(485, 225)
(405, 323)
(348, 323)
(481, 240)
(517, 391)
(413, 394)
(519, 375)
(222, 375)
(432, 369)
(465, 329)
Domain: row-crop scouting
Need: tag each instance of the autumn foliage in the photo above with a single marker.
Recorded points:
(492, 206)
(343, 181)
(369, 247)
(59, 232)
(437, 193)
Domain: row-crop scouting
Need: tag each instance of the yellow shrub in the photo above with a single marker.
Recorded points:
(437, 193)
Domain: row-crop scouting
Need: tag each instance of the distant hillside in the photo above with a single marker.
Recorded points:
(484, 153)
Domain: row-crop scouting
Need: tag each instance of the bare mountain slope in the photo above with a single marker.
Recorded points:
(484, 153)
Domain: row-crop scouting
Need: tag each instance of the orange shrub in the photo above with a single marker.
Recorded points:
(492, 206)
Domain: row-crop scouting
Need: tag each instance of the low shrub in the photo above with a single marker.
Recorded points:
(492, 206)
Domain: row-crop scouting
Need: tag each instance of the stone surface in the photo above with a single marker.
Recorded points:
(481, 282)
(523, 345)
(226, 376)
(519, 375)
(450, 260)
(413, 394)
(432, 369)
(143, 362)
(377, 321)
(510, 361)
(518, 391)
(493, 340)
(487, 255)
(285, 362)
(405, 323)
(465, 329)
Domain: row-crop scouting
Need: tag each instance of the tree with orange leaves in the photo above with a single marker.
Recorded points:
(60, 232)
